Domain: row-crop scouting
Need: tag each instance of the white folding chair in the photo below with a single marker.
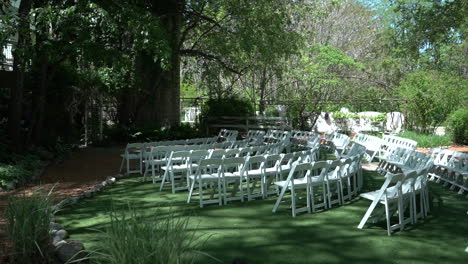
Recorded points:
(391, 196)
(271, 170)
(253, 174)
(232, 173)
(297, 180)
(133, 151)
(208, 174)
(178, 163)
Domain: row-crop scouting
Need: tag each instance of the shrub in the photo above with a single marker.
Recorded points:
(20, 171)
(427, 140)
(135, 239)
(458, 124)
(430, 97)
(227, 106)
(28, 225)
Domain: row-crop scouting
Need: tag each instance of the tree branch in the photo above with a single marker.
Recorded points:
(199, 53)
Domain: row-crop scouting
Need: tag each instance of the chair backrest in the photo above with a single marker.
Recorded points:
(255, 162)
(197, 155)
(209, 164)
(233, 164)
(299, 170)
(334, 169)
(320, 169)
(244, 152)
(133, 146)
(399, 141)
(217, 153)
(159, 152)
(272, 161)
(179, 157)
(231, 153)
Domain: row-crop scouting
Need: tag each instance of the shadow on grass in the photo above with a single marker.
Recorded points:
(250, 231)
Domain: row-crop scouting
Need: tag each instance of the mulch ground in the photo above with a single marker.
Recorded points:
(81, 172)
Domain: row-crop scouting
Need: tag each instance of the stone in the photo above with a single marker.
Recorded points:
(70, 250)
(55, 226)
(88, 194)
(62, 233)
(60, 243)
(55, 240)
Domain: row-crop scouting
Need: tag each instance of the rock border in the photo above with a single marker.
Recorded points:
(70, 250)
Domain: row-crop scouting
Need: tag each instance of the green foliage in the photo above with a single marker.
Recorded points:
(227, 106)
(427, 140)
(123, 134)
(425, 29)
(317, 78)
(458, 124)
(430, 97)
(378, 118)
(341, 115)
(133, 238)
(28, 223)
(20, 171)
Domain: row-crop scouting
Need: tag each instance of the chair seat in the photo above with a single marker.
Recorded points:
(255, 173)
(333, 176)
(205, 177)
(235, 174)
(182, 167)
(301, 182)
(155, 162)
(391, 194)
(271, 171)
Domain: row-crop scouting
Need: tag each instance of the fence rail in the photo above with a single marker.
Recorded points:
(249, 122)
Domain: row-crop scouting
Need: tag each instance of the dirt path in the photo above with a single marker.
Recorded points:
(81, 172)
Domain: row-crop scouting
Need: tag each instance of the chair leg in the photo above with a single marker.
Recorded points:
(122, 164)
(163, 179)
(293, 202)
(387, 216)
(191, 191)
(200, 192)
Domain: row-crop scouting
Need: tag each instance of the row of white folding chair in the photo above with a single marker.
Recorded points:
(273, 135)
(393, 155)
(398, 193)
(228, 135)
(181, 159)
(450, 167)
(399, 141)
(159, 156)
(248, 171)
(325, 174)
(391, 142)
(337, 142)
(410, 161)
(371, 143)
(255, 137)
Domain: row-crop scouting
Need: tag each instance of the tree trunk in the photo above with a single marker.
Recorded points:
(17, 91)
(263, 84)
(158, 102)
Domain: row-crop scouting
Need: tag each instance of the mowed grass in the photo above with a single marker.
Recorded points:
(250, 231)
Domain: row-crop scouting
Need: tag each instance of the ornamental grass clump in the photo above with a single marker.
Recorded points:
(28, 218)
(132, 238)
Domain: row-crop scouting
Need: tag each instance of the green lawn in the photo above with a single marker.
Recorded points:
(252, 232)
